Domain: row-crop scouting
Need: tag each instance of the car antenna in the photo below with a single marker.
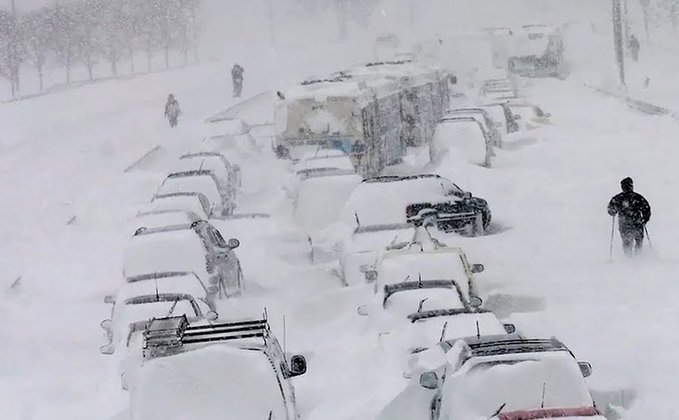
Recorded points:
(200, 168)
(478, 330)
(270, 414)
(157, 295)
(419, 307)
(406, 279)
(284, 335)
(358, 221)
(544, 387)
(419, 280)
(443, 332)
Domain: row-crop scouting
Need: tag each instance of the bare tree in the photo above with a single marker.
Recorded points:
(36, 33)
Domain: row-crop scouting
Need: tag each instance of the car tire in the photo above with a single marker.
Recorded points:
(477, 225)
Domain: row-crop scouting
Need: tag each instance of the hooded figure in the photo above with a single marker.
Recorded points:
(172, 110)
(633, 213)
(237, 79)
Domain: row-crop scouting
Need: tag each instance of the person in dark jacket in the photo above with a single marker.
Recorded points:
(237, 79)
(172, 110)
(634, 47)
(633, 213)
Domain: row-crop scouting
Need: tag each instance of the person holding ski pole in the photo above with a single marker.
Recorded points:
(633, 213)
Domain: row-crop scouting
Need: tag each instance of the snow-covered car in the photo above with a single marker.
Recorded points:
(364, 246)
(213, 161)
(235, 370)
(201, 181)
(483, 117)
(133, 308)
(416, 263)
(384, 200)
(464, 139)
(320, 195)
(502, 377)
(502, 112)
(193, 202)
(508, 377)
(197, 247)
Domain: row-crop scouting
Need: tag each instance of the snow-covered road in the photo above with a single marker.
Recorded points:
(549, 195)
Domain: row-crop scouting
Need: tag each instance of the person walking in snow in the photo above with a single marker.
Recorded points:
(172, 110)
(633, 213)
(634, 47)
(237, 79)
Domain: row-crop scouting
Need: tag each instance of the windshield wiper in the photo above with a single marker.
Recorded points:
(174, 304)
(498, 411)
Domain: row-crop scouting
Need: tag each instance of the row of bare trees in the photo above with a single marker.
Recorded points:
(87, 32)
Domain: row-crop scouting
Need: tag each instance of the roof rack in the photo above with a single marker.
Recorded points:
(169, 335)
(515, 345)
(342, 77)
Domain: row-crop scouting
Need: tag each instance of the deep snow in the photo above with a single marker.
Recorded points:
(63, 155)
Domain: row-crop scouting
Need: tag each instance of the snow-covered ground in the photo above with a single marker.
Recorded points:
(64, 156)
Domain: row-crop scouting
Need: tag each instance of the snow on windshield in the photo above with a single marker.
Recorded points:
(408, 302)
(189, 203)
(484, 384)
(396, 267)
(202, 184)
(319, 200)
(463, 140)
(215, 382)
(142, 311)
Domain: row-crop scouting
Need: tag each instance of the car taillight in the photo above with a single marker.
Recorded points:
(549, 413)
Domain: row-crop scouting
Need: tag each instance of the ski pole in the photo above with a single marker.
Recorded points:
(650, 244)
(610, 250)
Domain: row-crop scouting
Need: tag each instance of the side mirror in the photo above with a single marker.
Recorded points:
(509, 328)
(211, 316)
(297, 365)
(429, 380)
(475, 301)
(370, 276)
(233, 243)
(467, 195)
(517, 117)
(363, 310)
(585, 369)
(110, 299)
(478, 268)
(212, 290)
(107, 326)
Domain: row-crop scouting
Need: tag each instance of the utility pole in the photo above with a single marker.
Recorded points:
(272, 32)
(618, 41)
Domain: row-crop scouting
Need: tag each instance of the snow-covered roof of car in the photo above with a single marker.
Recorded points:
(337, 162)
(192, 181)
(341, 86)
(170, 248)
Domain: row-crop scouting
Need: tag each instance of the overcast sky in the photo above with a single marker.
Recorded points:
(25, 4)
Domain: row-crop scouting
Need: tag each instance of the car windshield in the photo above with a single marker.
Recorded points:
(464, 137)
(409, 301)
(134, 312)
(519, 381)
(425, 265)
(199, 183)
(178, 203)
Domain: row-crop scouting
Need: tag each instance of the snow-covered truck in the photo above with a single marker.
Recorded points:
(537, 51)
(372, 112)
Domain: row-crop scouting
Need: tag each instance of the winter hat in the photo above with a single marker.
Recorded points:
(627, 184)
